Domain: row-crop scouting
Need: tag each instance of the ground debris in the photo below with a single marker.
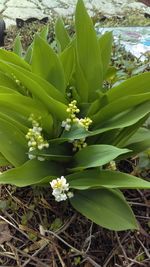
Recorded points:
(5, 234)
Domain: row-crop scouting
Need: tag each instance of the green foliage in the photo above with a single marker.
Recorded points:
(58, 119)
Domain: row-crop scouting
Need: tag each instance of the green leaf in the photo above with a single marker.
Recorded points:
(7, 81)
(88, 50)
(3, 161)
(122, 120)
(6, 90)
(17, 48)
(105, 43)
(135, 85)
(118, 106)
(46, 63)
(140, 135)
(105, 207)
(105, 178)
(98, 104)
(22, 104)
(14, 121)
(10, 57)
(57, 152)
(110, 74)
(121, 139)
(30, 173)
(67, 58)
(138, 147)
(13, 144)
(28, 54)
(96, 155)
(125, 119)
(48, 88)
(20, 108)
(61, 34)
(44, 33)
(80, 82)
(57, 108)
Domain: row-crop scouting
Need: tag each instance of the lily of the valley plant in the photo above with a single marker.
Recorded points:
(60, 127)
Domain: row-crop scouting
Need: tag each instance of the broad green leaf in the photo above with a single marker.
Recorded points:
(98, 104)
(56, 152)
(17, 47)
(125, 119)
(44, 33)
(22, 104)
(80, 82)
(28, 54)
(3, 161)
(57, 108)
(105, 207)
(67, 58)
(88, 50)
(122, 120)
(121, 139)
(48, 88)
(13, 143)
(7, 81)
(105, 178)
(135, 85)
(105, 43)
(118, 106)
(10, 57)
(21, 107)
(30, 173)
(6, 90)
(96, 155)
(138, 147)
(140, 135)
(46, 63)
(53, 157)
(13, 121)
(110, 74)
(61, 34)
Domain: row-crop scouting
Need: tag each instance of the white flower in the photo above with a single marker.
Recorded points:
(60, 183)
(67, 127)
(66, 124)
(40, 158)
(60, 189)
(35, 138)
(31, 156)
(61, 197)
(40, 147)
(70, 194)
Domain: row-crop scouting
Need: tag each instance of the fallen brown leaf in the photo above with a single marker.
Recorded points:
(5, 234)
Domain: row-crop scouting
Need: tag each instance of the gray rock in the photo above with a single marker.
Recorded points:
(9, 22)
(24, 9)
(50, 3)
(23, 13)
(64, 11)
(1, 8)
(136, 6)
(18, 3)
(3, 2)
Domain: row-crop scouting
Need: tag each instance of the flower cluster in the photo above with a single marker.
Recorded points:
(72, 111)
(18, 82)
(60, 189)
(112, 165)
(72, 118)
(35, 139)
(78, 144)
(86, 122)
